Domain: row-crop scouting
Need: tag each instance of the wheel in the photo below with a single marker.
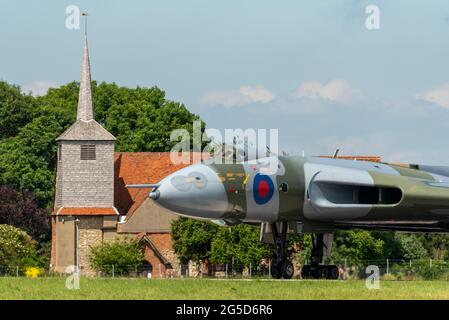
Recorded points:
(325, 272)
(276, 272)
(315, 271)
(305, 272)
(333, 272)
(287, 270)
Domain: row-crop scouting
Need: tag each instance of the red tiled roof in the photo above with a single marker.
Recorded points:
(137, 168)
(85, 211)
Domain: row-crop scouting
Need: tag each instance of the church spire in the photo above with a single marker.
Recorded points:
(85, 107)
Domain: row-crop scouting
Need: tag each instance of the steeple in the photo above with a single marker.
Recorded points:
(85, 107)
(85, 128)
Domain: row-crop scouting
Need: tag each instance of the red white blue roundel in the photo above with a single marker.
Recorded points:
(263, 189)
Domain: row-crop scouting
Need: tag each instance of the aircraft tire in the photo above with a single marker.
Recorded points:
(305, 272)
(324, 272)
(287, 270)
(333, 272)
(276, 272)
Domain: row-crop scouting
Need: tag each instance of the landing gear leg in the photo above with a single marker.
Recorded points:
(316, 270)
(281, 267)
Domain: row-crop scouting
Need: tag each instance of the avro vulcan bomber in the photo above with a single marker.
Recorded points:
(310, 195)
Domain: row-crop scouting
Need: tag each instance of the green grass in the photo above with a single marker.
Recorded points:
(54, 288)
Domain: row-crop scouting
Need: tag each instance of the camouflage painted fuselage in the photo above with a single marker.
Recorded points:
(315, 191)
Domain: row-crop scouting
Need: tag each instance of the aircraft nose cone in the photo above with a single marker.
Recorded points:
(155, 194)
(194, 191)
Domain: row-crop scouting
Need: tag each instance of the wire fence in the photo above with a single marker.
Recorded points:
(387, 269)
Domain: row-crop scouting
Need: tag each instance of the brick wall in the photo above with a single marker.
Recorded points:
(163, 242)
(53, 243)
(89, 234)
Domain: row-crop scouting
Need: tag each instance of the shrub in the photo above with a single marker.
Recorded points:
(123, 254)
(16, 246)
(389, 277)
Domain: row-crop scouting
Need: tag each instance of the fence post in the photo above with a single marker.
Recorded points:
(430, 262)
(410, 263)
(226, 272)
(346, 263)
(160, 271)
(17, 271)
(269, 269)
(388, 266)
(250, 270)
(113, 271)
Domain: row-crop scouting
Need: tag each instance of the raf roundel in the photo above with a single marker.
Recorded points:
(263, 189)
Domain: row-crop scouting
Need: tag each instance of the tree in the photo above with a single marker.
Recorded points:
(16, 246)
(16, 109)
(28, 160)
(20, 209)
(239, 244)
(357, 246)
(123, 254)
(398, 246)
(436, 245)
(192, 239)
(411, 247)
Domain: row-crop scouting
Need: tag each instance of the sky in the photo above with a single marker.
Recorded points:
(311, 69)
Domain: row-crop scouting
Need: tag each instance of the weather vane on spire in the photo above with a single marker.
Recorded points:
(85, 14)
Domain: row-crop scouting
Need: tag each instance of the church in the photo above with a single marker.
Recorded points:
(92, 203)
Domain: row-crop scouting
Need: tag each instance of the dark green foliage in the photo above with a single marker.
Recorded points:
(436, 245)
(192, 239)
(120, 255)
(239, 245)
(200, 241)
(16, 110)
(357, 246)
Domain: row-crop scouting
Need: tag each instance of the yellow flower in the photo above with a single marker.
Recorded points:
(32, 272)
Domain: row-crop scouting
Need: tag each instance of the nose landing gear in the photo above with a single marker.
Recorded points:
(281, 267)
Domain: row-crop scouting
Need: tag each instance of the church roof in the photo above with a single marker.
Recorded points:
(86, 130)
(137, 168)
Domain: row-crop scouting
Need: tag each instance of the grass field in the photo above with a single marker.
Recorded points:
(54, 288)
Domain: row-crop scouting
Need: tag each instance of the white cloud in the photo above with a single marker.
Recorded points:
(438, 95)
(39, 88)
(244, 95)
(336, 90)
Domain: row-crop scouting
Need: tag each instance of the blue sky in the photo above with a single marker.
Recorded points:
(309, 68)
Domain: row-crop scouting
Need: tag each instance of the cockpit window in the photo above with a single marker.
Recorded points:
(283, 187)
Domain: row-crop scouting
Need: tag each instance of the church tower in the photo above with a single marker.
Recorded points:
(84, 201)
